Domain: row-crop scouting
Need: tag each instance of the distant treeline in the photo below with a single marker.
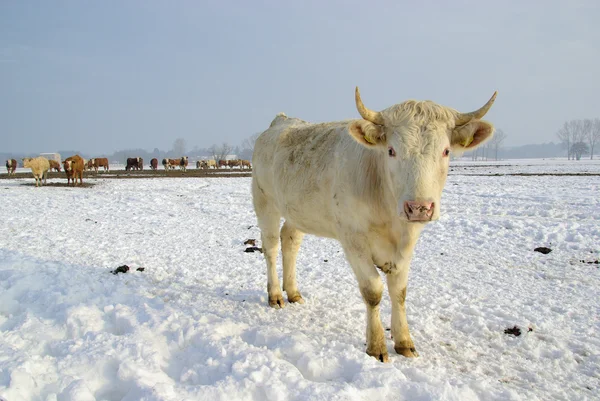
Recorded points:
(533, 151)
(537, 151)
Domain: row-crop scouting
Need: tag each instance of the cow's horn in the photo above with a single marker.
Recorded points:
(464, 118)
(369, 115)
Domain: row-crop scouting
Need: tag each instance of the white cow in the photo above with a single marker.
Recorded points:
(370, 183)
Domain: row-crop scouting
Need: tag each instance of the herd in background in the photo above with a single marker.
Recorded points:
(74, 166)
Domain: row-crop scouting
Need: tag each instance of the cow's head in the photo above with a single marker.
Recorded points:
(68, 165)
(415, 139)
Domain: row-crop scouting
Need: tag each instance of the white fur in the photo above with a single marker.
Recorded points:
(337, 180)
(39, 167)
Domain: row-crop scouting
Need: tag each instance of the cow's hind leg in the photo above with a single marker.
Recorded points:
(268, 220)
(291, 238)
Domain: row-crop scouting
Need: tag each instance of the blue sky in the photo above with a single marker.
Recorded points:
(100, 76)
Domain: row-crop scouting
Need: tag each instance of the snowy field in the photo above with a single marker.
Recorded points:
(195, 325)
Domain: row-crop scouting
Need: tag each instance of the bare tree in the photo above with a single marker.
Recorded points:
(594, 136)
(579, 149)
(567, 135)
(496, 142)
(584, 130)
(220, 152)
(179, 147)
(248, 143)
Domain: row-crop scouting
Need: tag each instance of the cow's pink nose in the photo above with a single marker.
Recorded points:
(418, 211)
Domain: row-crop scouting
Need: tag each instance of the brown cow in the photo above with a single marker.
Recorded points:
(166, 164)
(134, 163)
(183, 163)
(74, 168)
(54, 165)
(154, 164)
(234, 163)
(97, 163)
(222, 163)
(102, 162)
(246, 164)
(11, 166)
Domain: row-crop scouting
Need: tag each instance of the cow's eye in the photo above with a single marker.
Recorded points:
(446, 152)
(391, 152)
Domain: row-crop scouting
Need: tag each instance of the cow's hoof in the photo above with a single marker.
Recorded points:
(380, 356)
(276, 301)
(409, 352)
(296, 299)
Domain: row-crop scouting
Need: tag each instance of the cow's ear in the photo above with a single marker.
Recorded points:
(471, 135)
(367, 134)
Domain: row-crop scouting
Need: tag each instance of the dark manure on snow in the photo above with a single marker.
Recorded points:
(515, 331)
(120, 269)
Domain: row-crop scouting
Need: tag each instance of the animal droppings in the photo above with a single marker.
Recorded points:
(140, 269)
(253, 249)
(515, 331)
(543, 249)
(120, 269)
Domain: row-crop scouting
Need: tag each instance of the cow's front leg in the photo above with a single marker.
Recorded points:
(371, 289)
(397, 281)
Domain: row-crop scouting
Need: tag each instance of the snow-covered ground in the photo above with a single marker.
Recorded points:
(195, 325)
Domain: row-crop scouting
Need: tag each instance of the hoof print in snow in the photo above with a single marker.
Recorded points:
(253, 249)
(250, 241)
(543, 249)
(140, 269)
(120, 269)
(515, 331)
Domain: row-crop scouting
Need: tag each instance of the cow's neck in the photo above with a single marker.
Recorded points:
(373, 185)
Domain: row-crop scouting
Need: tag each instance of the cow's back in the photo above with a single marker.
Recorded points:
(295, 166)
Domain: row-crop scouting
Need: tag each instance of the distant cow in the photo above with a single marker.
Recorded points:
(39, 168)
(372, 184)
(183, 163)
(98, 162)
(102, 162)
(11, 166)
(154, 164)
(246, 164)
(74, 168)
(222, 163)
(200, 163)
(134, 163)
(234, 163)
(165, 163)
(54, 165)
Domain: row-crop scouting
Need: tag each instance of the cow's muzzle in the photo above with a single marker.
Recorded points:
(419, 211)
